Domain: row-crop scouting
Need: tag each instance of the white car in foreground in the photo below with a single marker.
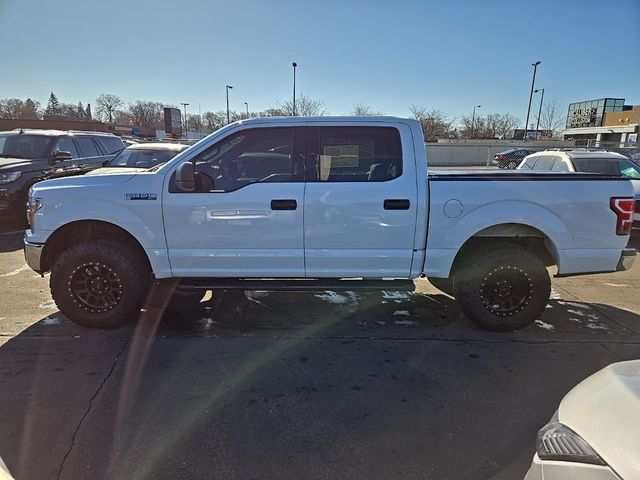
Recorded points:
(595, 433)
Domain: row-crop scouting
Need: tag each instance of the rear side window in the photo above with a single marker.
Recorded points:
(544, 163)
(110, 145)
(607, 166)
(353, 154)
(559, 165)
(87, 147)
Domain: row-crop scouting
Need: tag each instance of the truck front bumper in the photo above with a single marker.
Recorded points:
(33, 255)
(627, 256)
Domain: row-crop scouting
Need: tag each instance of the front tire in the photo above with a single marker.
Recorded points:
(100, 284)
(503, 287)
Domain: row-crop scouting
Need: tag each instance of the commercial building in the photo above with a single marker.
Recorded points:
(605, 120)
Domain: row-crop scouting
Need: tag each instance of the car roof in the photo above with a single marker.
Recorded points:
(170, 147)
(583, 153)
(55, 133)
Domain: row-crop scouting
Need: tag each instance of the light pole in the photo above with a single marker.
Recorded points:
(294, 64)
(227, 88)
(533, 82)
(539, 109)
(186, 121)
(247, 106)
(473, 118)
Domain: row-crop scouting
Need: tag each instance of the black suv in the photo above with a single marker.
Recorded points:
(28, 156)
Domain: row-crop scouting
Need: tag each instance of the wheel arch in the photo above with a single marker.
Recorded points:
(520, 234)
(86, 230)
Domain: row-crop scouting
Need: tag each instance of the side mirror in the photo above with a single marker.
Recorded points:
(60, 156)
(185, 177)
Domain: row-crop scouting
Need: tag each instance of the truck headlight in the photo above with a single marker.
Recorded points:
(9, 177)
(33, 205)
(556, 441)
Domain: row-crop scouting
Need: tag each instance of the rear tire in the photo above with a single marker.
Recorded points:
(100, 283)
(502, 287)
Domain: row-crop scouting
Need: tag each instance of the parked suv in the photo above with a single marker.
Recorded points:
(585, 160)
(28, 156)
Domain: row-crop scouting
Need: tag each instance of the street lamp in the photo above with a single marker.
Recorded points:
(533, 82)
(227, 88)
(247, 106)
(186, 121)
(294, 64)
(473, 118)
(540, 109)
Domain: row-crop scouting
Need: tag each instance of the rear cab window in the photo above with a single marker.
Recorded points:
(608, 166)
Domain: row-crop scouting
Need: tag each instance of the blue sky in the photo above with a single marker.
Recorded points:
(446, 54)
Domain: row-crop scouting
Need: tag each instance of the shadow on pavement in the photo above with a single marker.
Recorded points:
(378, 385)
(11, 241)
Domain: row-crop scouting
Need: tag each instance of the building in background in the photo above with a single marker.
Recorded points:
(603, 121)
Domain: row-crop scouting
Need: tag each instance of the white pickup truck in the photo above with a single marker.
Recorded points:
(306, 204)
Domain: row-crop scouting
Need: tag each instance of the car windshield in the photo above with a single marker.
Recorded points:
(609, 166)
(140, 158)
(23, 146)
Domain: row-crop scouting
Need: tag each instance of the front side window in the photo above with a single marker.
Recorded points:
(24, 146)
(559, 165)
(251, 156)
(65, 144)
(544, 163)
(529, 163)
(354, 154)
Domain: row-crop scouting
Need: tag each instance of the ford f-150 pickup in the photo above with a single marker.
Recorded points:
(304, 204)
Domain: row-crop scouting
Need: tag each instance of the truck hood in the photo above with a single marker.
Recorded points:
(82, 181)
(11, 164)
(604, 409)
(115, 170)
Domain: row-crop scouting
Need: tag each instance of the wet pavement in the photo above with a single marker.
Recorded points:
(274, 385)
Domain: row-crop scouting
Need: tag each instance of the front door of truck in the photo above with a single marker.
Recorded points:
(360, 201)
(245, 218)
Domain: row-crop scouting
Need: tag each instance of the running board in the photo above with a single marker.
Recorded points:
(293, 285)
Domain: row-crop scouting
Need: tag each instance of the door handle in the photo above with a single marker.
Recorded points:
(284, 204)
(397, 204)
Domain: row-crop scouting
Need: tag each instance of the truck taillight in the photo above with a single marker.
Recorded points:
(623, 208)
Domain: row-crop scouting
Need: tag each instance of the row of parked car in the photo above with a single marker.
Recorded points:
(28, 156)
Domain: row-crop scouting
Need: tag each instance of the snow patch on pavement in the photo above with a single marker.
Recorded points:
(16, 271)
(401, 312)
(544, 325)
(51, 321)
(48, 304)
(597, 326)
(337, 299)
(395, 295)
(404, 322)
(555, 295)
(575, 304)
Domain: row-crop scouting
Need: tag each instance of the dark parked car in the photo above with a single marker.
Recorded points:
(28, 156)
(511, 158)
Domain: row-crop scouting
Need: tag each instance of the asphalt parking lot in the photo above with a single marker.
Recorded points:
(270, 386)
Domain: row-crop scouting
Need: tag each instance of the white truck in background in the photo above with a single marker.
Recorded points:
(329, 203)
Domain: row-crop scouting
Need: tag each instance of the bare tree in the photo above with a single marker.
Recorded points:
(435, 123)
(551, 119)
(106, 106)
(305, 107)
(473, 127)
(15, 108)
(146, 114)
(359, 109)
(494, 125)
(214, 120)
(505, 125)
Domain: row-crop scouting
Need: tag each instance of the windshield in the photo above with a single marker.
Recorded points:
(23, 146)
(608, 166)
(142, 158)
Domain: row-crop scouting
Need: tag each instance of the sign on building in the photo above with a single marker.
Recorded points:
(173, 121)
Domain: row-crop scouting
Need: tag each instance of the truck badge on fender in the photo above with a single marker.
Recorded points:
(141, 196)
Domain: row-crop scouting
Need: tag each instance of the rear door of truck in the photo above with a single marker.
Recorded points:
(360, 200)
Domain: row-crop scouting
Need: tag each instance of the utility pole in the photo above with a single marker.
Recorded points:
(227, 88)
(473, 119)
(247, 106)
(533, 82)
(186, 121)
(540, 109)
(294, 64)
